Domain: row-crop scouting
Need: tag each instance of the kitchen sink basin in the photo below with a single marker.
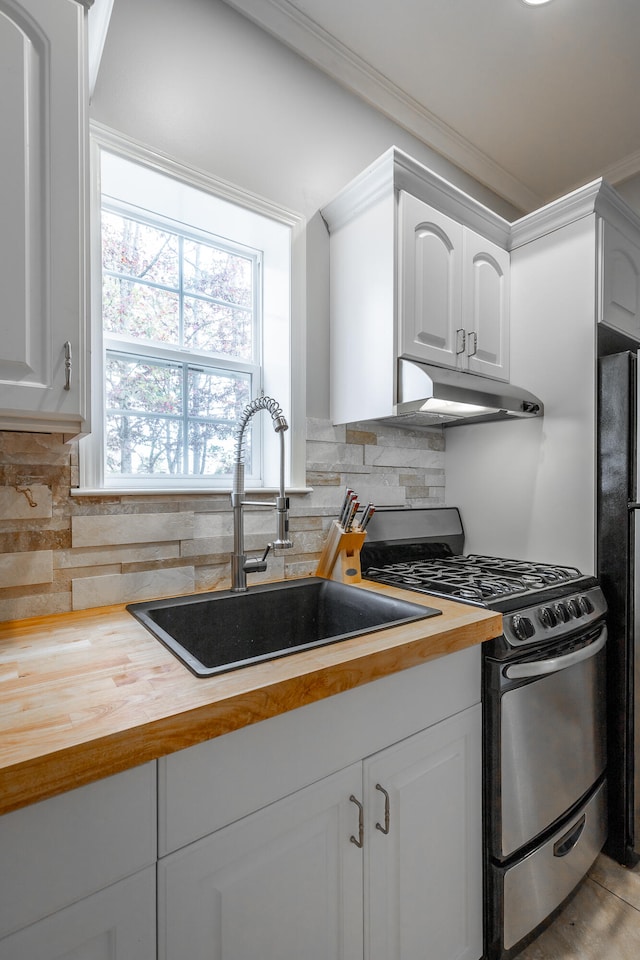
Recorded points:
(215, 632)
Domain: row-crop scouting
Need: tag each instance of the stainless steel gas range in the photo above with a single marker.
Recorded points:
(544, 737)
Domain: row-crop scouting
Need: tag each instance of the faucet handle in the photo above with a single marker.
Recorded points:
(255, 565)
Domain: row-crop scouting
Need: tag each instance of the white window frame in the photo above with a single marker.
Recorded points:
(283, 345)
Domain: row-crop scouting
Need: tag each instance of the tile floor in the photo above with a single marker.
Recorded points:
(602, 921)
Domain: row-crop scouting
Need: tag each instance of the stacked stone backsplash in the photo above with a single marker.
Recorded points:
(60, 552)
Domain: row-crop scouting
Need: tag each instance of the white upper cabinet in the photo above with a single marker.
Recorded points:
(485, 307)
(620, 264)
(43, 349)
(454, 293)
(430, 287)
(418, 270)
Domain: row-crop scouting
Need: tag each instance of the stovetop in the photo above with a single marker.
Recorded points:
(472, 577)
(423, 550)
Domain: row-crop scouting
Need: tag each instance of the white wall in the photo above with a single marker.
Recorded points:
(197, 81)
(530, 493)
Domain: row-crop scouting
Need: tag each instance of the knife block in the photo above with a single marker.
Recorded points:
(340, 558)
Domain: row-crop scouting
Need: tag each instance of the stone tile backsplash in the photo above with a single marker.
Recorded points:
(61, 552)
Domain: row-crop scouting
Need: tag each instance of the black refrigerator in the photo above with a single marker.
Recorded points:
(618, 527)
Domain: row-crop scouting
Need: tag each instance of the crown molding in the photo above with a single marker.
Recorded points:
(623, 169)
(614, 174)
(597, 197)
(552, 216)
(396, 170)
(298, 31)
(615, 209)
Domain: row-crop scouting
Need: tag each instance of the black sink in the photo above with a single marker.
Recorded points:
(215, 632)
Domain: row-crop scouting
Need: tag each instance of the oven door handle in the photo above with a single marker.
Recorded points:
(538, 668)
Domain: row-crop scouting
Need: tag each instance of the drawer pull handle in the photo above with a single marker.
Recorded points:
(473, 343)
(360, 839)
(566, 844)
(379, 826)
(461, 341)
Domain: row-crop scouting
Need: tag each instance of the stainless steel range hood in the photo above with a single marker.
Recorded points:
(429, 395)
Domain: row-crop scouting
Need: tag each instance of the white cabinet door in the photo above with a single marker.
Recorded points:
(62, 849)
(620, 282)
(424, 876)
(454, 293)
(287, 882)
(430, 281)
(42, 233)
(485, 306)
(118, 923)
(281, 884)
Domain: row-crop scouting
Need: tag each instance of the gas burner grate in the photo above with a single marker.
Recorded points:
(541, 572)
(473, 577)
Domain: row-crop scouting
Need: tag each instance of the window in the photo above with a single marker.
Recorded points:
(192, 320)
(181, 319)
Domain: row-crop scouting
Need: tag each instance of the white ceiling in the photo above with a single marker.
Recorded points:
(532, 101)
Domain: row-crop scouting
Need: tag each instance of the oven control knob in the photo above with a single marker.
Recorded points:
(574, 607)
(547, 617)
(563, 613)
(585, 605)
(522, 627)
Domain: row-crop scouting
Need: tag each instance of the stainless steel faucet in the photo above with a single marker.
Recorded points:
(241, 565)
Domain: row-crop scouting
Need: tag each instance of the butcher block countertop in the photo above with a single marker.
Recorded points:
(88, 694)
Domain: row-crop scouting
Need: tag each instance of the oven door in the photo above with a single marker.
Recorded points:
(549, 724)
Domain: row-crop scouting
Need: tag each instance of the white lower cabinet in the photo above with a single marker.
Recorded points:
(78, 877)
(117, 923)
(424, 876)
(380, 860)
(348, 829)
(281, 883)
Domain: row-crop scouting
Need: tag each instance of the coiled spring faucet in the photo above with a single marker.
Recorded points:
(241, 565)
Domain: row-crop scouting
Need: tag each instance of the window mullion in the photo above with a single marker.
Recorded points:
(159, 352)
(181, 291)
(185, 418)
(185, 369)
(258, 349)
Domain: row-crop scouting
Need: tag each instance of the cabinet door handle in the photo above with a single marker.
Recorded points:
(360, 839)
(379, 826)
(461, 341)
(67, 365)
(473, 343)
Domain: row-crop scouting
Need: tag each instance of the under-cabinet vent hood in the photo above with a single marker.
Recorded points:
(430, 395)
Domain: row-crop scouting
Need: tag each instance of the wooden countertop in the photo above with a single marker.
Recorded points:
(88, 694)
